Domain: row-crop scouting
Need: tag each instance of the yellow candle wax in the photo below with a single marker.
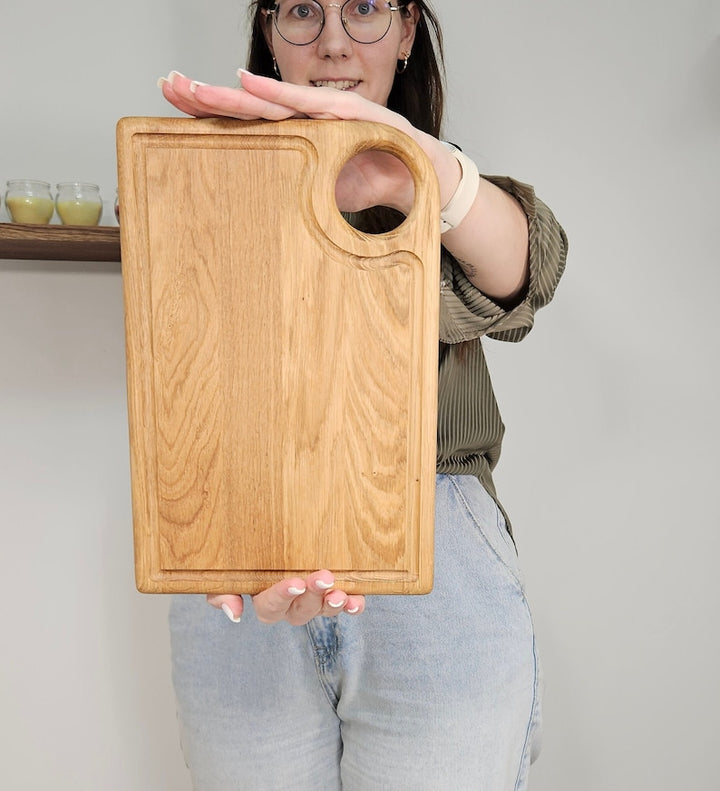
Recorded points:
(79, 212)
(30, 209)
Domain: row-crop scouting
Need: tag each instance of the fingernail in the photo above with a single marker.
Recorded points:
(323, 585)
(161, 81)
(241, 73)
(172, 75)
(234, 618)
(337, 604)
(353, 611)
(194, 84)
(296, 591)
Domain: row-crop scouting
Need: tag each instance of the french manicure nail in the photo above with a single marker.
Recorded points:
(194, 84)
(337, 604)
(161, 81)
(240, 74)
(296, 591)
(353, 611)
(172, 75)
(234, 618)
(323, 585)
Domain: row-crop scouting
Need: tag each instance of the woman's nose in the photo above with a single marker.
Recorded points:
(334, 41)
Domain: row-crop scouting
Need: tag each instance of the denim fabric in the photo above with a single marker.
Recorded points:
(417, 693)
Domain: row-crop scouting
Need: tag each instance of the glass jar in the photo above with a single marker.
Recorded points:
(29, 201)
(78, 203)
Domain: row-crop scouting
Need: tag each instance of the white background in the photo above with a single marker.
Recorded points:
(609, 469)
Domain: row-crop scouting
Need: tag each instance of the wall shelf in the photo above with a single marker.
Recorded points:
(59, 242)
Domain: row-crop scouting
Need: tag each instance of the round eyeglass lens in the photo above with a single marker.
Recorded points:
(365, 21)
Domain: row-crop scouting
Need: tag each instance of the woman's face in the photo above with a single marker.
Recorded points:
(335, 60)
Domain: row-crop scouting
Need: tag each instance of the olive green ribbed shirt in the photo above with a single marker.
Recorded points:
(470, 428)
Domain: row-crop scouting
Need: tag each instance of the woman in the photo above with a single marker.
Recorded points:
(413, 692)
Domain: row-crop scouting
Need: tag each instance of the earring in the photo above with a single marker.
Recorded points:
(276, 70)
(401, 68)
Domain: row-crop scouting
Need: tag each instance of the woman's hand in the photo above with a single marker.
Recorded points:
(272, 100)
(294, 600)
(374, 178)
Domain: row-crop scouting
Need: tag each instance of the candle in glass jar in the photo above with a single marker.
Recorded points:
(78, 203)
(29, 201)
(78, 212)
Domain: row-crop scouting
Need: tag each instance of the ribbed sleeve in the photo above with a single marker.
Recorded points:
(466, 313)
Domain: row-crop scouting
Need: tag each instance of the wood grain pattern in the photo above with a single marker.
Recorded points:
(282, 366)
(59, 242)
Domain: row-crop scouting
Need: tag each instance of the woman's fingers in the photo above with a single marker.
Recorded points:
(274, 604)
(203, 101)
(303, 99)
(354, 605)
(181, 97)
(241, 104)
(294, 600)
(320, 103)
(180, 90)
(298, 601)
(230, 604)
(265, 98)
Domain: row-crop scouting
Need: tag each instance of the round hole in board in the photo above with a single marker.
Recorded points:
(353, 190)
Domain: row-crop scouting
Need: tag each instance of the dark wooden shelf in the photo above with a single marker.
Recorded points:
(59, 242)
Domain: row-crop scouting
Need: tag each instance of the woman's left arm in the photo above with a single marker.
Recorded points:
(491, 242)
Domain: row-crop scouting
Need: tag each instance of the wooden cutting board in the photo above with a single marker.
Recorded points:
(281, 365)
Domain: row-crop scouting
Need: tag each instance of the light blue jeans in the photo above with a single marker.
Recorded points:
(419, 693)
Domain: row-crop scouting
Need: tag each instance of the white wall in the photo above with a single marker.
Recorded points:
(613, 112)
(610, 465)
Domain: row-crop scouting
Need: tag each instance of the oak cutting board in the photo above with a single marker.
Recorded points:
(281, 365)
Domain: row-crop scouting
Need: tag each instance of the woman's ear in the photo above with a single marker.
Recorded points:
(409, 17)
(267, 30)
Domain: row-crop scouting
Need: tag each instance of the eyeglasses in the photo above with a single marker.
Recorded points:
(301, 22)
